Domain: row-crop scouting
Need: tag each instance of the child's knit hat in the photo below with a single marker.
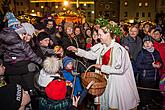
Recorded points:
(12, 20)
(66, 61)
(147, 38)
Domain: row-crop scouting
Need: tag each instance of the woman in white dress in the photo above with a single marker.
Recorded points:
(112, 59)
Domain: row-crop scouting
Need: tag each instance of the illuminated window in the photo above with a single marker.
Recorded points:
(146, 4)
(140, 4)
(125, 3)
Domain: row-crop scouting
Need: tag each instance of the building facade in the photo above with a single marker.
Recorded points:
(139, 10)
(21, 7)
(107, 8)
(160, 6)
(44, 7)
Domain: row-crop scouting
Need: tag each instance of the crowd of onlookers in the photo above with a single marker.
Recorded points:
(35, 60)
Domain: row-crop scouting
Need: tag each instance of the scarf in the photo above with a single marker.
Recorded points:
(149, 49)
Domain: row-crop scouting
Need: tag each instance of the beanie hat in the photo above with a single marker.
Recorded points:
(157, 30)
(56, 89)
(43, 35)
(147, 38)
(29, 28)
(11, 96)
(12, 20)
(66, 61)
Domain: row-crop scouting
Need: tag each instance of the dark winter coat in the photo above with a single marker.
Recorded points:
(144, 66)
(15, 49)
(133, 45)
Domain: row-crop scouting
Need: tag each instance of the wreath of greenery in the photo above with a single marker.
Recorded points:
(107, 26)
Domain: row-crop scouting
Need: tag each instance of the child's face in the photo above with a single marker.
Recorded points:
(148, 44)
(2, 70)
(69, 65)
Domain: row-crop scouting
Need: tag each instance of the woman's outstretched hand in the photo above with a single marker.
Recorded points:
(97, 66)
(72, 48)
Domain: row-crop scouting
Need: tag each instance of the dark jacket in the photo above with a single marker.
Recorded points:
(134, 46)
(15, 49)
(144, 65)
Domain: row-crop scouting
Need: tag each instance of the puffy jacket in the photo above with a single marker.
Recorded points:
(144, 62)
(15, 49)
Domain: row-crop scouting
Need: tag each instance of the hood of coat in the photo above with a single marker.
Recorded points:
(9, 36)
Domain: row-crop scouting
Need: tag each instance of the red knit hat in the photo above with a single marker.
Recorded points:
(56, 90)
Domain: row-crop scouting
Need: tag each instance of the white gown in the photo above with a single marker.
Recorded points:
(121, 91)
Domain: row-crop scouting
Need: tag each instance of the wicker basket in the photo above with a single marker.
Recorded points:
(99, 85)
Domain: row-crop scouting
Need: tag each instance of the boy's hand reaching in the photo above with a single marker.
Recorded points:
(75, 100)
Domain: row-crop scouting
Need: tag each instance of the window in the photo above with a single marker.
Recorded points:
(162, 3)
(140, 4)
(37, 4)
(149, 14)
(46, 3)
(100, 13)
(146, 4)
(53, 4)
(137, 14)
(125, 3)
(19, 12)
(125, 14)
(17, 3)
(22, 12)
(89, 14)
(143, 14)
(89, 5)
(113, 13)
(21, 3)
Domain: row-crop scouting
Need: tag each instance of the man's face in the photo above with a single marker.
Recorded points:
(50, 24)
(133, 32)
(45, 42)
(156, 35)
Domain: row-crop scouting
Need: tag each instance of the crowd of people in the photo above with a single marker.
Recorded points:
(41, 64)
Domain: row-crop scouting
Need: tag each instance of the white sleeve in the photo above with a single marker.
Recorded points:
(91, 54)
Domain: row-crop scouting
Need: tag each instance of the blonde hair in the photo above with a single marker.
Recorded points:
(51, 65)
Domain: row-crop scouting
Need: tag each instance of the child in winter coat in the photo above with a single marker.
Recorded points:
(49, 71)
(71, 75)
(148, 62)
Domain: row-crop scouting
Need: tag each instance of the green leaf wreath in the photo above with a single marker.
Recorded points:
(109, 26)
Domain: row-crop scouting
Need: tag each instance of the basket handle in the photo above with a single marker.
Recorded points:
(88, 69)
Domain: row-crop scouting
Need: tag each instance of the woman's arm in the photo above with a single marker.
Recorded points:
(92, 54)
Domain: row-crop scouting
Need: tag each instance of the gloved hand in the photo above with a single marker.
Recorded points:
(32, 67)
